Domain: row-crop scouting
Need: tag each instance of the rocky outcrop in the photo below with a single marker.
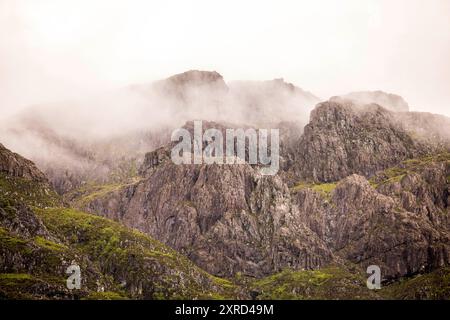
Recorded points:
(191, 93)
(116, 142)
(14, 165)
(226, 218)
(195, 78)
(229, 219)
(343, 138)
(38, 244)
(399, 221)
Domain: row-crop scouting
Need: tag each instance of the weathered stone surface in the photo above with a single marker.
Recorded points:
(38, 244)
(343, 138)
(225, 218)
(402, 225)
(229, 219)
(14, 165)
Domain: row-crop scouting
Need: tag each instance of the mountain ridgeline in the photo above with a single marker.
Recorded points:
(362, 181)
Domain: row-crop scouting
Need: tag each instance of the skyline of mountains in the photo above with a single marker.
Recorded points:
(362, 181)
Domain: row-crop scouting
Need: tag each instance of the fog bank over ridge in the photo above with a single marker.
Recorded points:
(60, 50)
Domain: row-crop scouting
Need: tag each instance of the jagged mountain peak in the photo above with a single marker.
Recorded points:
(195, 77)
(184, 85)
(343, 138)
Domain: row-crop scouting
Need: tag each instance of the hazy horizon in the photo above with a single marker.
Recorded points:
(55, 50)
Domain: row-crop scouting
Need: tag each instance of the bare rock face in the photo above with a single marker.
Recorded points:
(193, 86)
(196, 78)
(39, 242)
(230, 219)
(13, 164)
(389, 101)
(402, 225)
(373, 229)
(227, 219)
(343, 138)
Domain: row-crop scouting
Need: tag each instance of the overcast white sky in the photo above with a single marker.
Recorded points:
(54, 49)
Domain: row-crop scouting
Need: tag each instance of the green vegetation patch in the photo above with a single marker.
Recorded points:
(107, 295)
(396, 174)
(90, 192)
(124, 252)
(49, 245)
(15, 277)
(19, 190)
(11, 242)
(325, 189)
(431, 286)
(28, 286)
(327, 283)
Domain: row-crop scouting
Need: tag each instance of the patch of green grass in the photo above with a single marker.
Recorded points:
(49, 245)
(28, 286)
(391, 175)
(434, 285)
(223, 282)
(15, 276)
(11, 242)
(328, 283)
(16, 285)
(396, 174)
(129, 253)
(90, 192)
(325, 189)
(107, 295)
(19, 190)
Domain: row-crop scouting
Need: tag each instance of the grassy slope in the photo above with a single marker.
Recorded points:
(433, 285)
(396, 174)
(332, 282)
(338, 283)
(134, 257)
(112, 253)
(116, 262)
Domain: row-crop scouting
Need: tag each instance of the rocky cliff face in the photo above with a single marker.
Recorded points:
(14, 165)
(140, 119)
(360, 185)
(343, 138)
(398, 221)
(39, 239)
(183, 82)
(229, 219)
